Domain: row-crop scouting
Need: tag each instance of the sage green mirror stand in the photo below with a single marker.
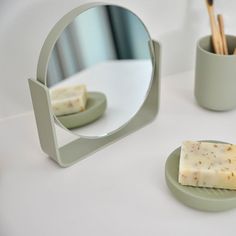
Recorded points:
(46, 121)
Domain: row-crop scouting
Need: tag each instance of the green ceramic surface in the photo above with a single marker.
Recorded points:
(95, 108)
(215, 76)
(204, 199)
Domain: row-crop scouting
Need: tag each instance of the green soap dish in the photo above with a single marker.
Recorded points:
(95, 108)
(204, 199)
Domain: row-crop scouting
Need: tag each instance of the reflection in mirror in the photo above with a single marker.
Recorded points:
(100, 70)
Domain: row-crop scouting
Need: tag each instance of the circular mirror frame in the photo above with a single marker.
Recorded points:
(49, 44)
(46, 120)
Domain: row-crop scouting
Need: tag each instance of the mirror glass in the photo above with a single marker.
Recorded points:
(99, 71)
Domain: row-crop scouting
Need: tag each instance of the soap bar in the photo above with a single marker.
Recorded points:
(205, 164)
(68, 99)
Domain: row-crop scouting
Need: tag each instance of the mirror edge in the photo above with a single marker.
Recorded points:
(54, 34)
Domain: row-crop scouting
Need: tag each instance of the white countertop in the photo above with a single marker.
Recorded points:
(119, 190)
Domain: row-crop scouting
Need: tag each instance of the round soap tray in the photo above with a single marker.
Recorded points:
(204, 199)
(95, 108)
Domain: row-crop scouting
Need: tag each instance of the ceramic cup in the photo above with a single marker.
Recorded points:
(215, 76)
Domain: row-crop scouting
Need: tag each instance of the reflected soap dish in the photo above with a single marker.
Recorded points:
(95, 108)
(200, 198)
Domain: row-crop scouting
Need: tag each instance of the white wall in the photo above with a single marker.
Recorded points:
(24, 24)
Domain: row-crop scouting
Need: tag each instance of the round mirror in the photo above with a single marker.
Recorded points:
(99, 71)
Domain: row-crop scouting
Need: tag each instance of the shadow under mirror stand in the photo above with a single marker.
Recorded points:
(97, 77)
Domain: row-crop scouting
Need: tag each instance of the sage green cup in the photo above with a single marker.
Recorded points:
(215, 76)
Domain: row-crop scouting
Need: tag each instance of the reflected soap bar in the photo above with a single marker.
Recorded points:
(68, 99)
(204, 164)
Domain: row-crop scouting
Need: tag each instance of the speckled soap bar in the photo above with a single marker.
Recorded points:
(204, 164)
(69, 99)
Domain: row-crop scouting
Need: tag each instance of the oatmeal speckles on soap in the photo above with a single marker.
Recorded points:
(215, 165)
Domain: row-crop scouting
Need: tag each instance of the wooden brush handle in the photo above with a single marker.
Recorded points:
(216, 37)
(222, 32)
